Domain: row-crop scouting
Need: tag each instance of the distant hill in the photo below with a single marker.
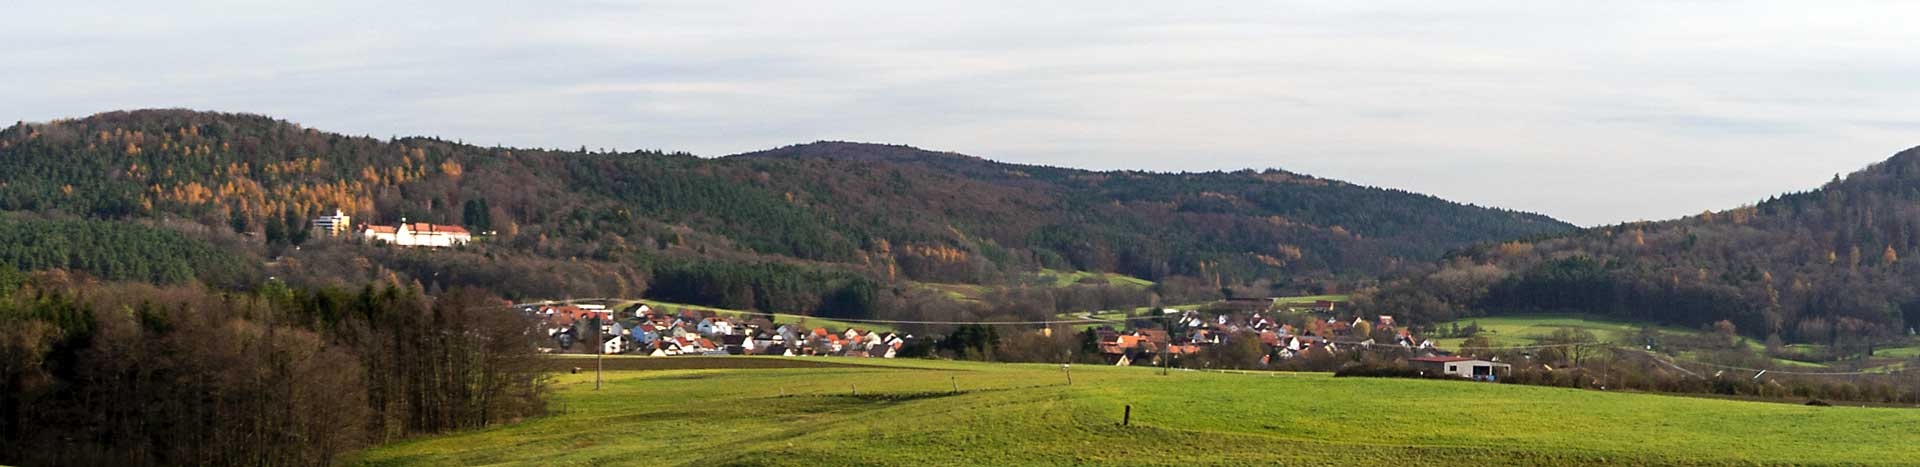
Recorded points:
(1829, 266)
(814, 226)
(1242, 224)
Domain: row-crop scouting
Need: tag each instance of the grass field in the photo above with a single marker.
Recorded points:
(1520, 330)
(1899, 352)
(1313, 298)
(1042, 278)
(1515, 330)
(906, 413)
(1065, 278)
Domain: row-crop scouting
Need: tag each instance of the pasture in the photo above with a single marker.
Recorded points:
(908, 412)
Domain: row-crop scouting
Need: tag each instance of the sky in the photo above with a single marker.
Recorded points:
(1591, 112)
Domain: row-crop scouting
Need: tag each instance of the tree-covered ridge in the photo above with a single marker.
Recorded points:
(1155, 225)
(888, 214)
(1823, 266)
(118, 251)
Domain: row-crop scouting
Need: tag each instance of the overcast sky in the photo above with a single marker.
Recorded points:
(1592, 112)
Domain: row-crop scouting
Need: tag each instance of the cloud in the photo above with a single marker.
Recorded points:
(1591, 112)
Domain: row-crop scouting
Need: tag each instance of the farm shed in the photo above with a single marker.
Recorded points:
(1486, 370)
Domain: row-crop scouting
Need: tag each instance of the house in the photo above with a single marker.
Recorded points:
(1464, 367)
(762, 346)
(683, 330)
(415, 234)
(736, 344)
(646, 334)
(1121, 344)
(613, 345)
(666, 347)
(1157, 337)
(758, 325)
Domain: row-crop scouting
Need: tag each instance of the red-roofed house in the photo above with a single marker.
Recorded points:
(412, 234)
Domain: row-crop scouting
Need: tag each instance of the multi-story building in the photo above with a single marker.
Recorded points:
(334, 225)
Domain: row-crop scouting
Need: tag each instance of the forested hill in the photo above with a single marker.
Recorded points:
(1157, 224)
(1831, 265)
(781, 223)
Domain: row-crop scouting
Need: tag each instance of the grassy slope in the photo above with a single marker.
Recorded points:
(1517, 330)
(1899, 352)
(1514, 330)
(1044, 278)
(1024, 415)
(1066, 278)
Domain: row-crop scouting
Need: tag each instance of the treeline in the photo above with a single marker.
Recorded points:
(1827, 267)
(771, 287)
(128, 374)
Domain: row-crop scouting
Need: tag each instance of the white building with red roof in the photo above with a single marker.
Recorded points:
(412, 234)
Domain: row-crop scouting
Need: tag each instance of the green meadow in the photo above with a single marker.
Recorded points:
(1517, 330)
(1531, 329)
(908, 412)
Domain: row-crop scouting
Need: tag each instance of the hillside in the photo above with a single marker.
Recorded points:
(1825, 266)
(1153, 225)
(908, 413)
(825, 227)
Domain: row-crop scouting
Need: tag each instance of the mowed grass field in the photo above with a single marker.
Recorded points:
(1516, 330)
(906, 413)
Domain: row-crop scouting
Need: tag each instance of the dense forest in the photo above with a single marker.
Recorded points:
(135, 374)
(835, 227)
(119, 251)
(1824, 267)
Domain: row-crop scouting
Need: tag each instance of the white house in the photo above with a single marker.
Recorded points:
(1485, 370)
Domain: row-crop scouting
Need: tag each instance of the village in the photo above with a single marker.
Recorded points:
(641, 329)
(1285, 330)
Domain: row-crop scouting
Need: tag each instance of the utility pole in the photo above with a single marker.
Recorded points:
(1166, 351)
(599, 353)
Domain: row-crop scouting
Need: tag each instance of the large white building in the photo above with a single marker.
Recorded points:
(333, 225)
(417, 234)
